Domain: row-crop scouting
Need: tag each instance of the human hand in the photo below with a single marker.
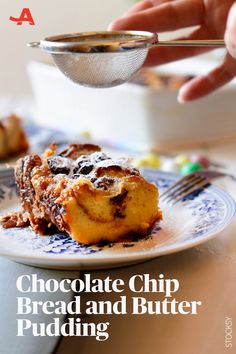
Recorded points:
(215, 19)
(230, 33)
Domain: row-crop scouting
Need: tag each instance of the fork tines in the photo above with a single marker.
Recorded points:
(184, 187)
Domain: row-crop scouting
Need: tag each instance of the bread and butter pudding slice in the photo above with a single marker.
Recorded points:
(13, 140)
(84, 193)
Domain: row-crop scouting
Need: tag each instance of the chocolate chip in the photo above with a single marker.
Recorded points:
(86, 169)
(93, 179)
(82, 159)
(83, 165)
(134, 172)
(104, 182)
(75, 170)
(118, 199)
(58, 164)
(118, 214)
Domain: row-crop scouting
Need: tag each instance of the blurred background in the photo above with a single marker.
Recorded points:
(51, 17)
(147, 108)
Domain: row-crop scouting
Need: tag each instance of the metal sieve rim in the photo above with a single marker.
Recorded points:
(98, 42)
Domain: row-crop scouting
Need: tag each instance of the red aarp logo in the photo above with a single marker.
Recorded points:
(25, 16)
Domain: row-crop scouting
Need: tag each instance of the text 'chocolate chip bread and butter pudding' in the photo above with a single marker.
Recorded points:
(85, 193)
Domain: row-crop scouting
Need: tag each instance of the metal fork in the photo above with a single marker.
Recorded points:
(193, 183)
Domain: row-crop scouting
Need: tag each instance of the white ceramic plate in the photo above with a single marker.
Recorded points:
(199, 219)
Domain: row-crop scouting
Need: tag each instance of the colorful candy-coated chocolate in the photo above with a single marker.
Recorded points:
(201, 159)
(191, 167)
(150, 160)
(182, 160)
(86, 134)
(169, 165)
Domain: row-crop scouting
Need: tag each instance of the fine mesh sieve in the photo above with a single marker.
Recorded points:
(106, 59)
(100, 70)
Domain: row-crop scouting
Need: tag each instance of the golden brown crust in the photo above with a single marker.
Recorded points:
(73, 151)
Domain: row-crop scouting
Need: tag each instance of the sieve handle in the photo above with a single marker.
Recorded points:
(33, 44)
(191, 43)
